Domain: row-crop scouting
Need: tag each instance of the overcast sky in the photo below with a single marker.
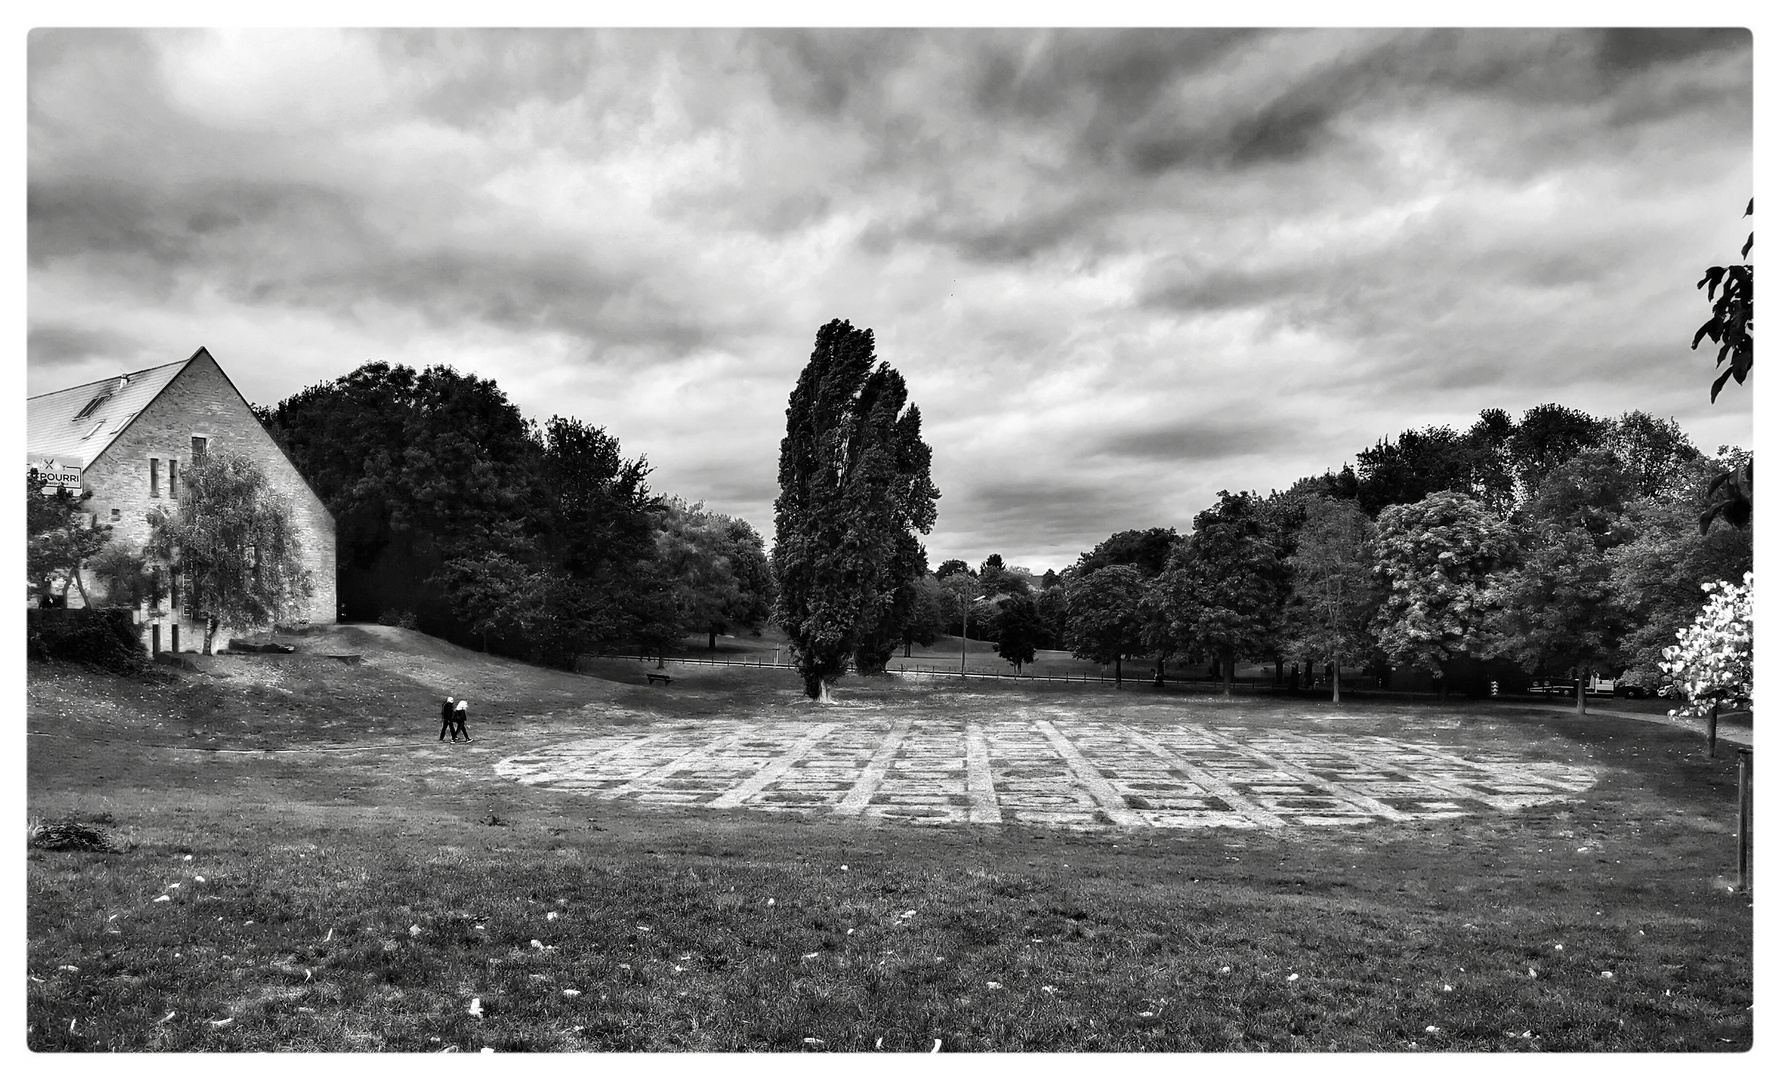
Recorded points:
(1119, 270)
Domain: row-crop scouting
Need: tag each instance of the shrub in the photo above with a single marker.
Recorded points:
(104, 637)
(402, 618)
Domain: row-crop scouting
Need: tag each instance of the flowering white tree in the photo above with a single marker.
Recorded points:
(1712, 665)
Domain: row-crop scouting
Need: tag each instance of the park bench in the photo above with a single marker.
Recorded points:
(658, 677)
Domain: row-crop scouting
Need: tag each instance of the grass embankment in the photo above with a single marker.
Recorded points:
(367, 898)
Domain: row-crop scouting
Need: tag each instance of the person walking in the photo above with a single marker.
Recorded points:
(461, 712)
(447, 713)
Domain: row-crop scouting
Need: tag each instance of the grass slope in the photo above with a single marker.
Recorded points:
(348, 882)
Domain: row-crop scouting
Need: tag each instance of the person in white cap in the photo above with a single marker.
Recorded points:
(462, 714)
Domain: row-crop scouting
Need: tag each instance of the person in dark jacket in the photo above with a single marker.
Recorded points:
(462, 713)
(447, 718)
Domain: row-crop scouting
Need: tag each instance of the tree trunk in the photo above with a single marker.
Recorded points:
(1444, 679)
(1337, 680)
(1159, 665)
(661, 660)
(908, 649)
(1582, 692)
(1228, 663)
(210, 625)
(1712, 731)
(1118, 670)
(713, 645)
(78, 584)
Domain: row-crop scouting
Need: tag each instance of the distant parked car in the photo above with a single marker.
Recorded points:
(1598, 685)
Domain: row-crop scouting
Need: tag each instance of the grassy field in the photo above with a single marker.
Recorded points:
(306, 867)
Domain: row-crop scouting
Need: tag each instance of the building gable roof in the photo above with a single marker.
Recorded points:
(76, 425)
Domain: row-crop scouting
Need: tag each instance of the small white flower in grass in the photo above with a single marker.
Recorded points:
(1447, 988)
(536, 944)
(475, 1006)
(162, 898)
(1606, 974)
(550, 916)
(69, 967)
(688, 956)
(994, 986)
(1146, 1015)
(909, 914)
(1559, 948)
(1225, 970)
(479, 926)
(224, 1020)
(678, 968)
(812, 955)
(414, 931)
(1531, 974)
(199, 878)
(1048, 989)
(849, 931)
(571, 993)
(1293, 977)
(1432, 1030)
(643, 929)
(248, 923)
(173, 886)
(188, 858)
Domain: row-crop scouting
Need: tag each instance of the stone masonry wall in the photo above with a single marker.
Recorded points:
(202, 401)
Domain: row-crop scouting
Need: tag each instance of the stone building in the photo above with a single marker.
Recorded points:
(125, 441)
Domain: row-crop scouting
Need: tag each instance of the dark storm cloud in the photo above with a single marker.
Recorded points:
(54, 345)
(1041, 514)
(1196, 440)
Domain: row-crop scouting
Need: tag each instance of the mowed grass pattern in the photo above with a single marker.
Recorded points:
(365, 895)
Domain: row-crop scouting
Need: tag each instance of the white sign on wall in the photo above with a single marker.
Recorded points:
(54, 471)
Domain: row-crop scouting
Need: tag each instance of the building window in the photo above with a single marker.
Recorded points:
(116, 514)
(154, 477)
(172, 478)
(200, 443)
(92, 406)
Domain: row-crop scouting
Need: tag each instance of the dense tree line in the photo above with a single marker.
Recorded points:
(457, 515)
(1560, 541)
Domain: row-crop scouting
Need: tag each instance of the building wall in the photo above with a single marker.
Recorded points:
(202, 401)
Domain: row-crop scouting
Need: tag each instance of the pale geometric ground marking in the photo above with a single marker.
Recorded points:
(1028, 769)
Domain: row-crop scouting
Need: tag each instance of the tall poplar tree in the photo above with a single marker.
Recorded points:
(853, 487)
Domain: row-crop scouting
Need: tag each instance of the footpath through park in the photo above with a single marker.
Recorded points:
(1737, 728)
